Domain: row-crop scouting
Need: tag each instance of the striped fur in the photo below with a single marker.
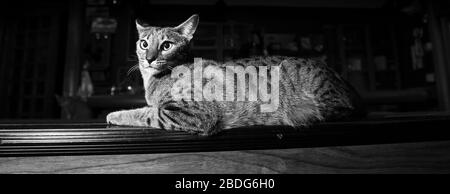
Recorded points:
(309, 91)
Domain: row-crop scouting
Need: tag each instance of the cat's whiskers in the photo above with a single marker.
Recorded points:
(132, 69)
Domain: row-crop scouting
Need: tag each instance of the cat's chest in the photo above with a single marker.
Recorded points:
(158, 90)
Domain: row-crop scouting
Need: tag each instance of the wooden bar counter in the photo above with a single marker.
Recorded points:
(396, 144)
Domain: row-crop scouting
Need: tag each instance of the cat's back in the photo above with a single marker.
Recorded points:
(305, 76)
(308, 79)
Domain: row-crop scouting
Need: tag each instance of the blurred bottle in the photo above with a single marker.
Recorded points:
(86, 88)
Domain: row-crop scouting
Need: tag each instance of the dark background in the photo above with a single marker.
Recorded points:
(44, 45)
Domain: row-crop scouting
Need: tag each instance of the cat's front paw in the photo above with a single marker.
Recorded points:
(134, 117)
(114, 118)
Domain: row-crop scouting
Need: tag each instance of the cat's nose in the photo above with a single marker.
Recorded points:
(151, 55)
(150, 59)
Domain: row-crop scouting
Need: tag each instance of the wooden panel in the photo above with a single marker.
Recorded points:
(427, 157)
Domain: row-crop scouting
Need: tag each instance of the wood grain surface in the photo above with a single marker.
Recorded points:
(422, 157)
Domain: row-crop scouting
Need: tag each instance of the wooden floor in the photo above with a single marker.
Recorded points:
(424, 157)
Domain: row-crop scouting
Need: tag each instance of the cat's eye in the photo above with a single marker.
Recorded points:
(165, 46)
(143, 44)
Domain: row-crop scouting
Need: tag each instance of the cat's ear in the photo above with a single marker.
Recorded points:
(187, 28)
(140, 28)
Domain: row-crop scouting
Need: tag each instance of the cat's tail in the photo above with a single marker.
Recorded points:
(357, 110)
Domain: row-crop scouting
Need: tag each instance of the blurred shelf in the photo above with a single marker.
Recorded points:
(397, 96)
(118, 101)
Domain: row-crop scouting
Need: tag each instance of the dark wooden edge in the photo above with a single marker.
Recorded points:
(38, 139)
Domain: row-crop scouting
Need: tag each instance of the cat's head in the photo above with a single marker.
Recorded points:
(162, 48)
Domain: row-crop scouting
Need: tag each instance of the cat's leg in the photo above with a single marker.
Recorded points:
(136, 117)
(201, 118)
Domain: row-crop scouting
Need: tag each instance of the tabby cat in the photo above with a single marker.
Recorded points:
(308, 91)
